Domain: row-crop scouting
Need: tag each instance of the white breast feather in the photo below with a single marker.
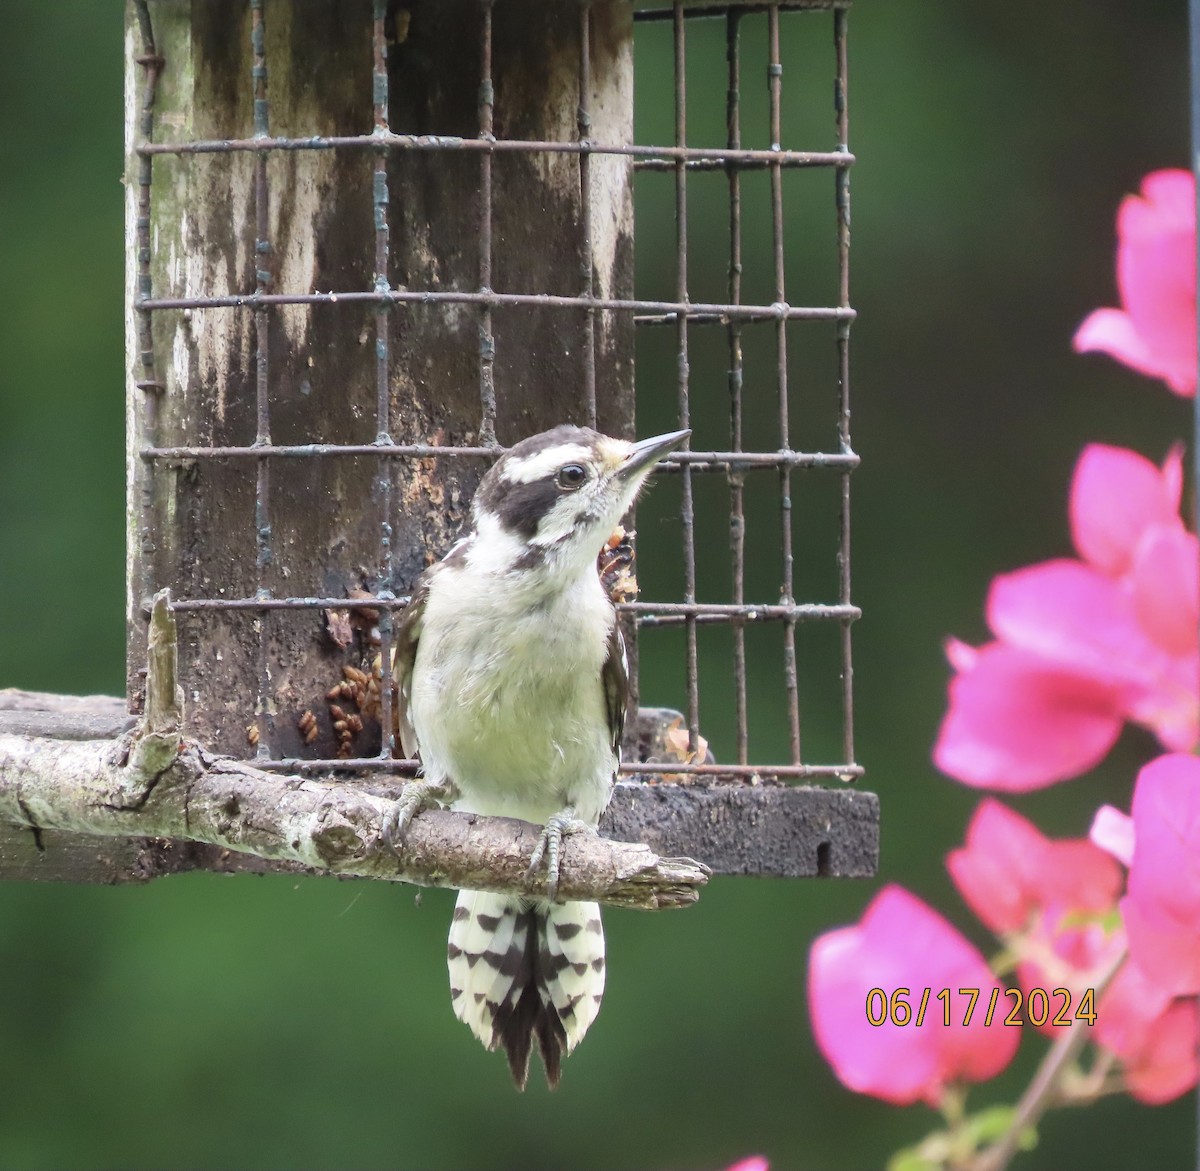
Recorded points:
(507, 698)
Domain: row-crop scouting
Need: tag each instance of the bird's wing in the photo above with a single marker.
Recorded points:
(408, 634)
(614, 677)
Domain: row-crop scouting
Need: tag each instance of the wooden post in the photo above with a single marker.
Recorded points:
(209, 229)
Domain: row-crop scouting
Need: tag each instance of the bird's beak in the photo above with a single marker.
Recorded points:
(648, 452)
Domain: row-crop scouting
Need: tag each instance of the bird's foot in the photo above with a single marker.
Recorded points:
(414, 797)
(549, 845)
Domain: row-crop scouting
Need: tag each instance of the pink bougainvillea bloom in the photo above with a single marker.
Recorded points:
(1155, 330)
(1017, 722)
(1082, 646)
(751, 1163)
(1155, 1037)
(1116, 496)
(1064, 957)
(1166, 589)
(1112, 831)
(1050, 900)
(1009, 872)
(901, 942)
(1162, 909)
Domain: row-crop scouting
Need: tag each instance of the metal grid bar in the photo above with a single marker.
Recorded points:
(487, 340)
(686, 508)
(384, 477)
(791, 682)
(151, 64)
(773, 312)
(702, 461)
(843, 352)
(707, 164)
(262, 380)
(681, 313)
(664, 156)
(701, 11)
(737, 507)
(584, 130)
(149, 384)
(375, 764)
(650, 613)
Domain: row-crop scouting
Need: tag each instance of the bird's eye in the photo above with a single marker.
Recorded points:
(571, 476)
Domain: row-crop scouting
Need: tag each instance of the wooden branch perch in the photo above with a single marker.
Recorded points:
(148, 782)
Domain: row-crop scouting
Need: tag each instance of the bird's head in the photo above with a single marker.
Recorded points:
(554, 498)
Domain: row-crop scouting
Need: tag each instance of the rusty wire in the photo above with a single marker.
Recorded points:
(681, 314)
(383, 434)
(737, 505)
(262, 375)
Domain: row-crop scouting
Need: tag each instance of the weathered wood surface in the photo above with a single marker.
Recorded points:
(65, 717)
(191, 523)
(330, 827)
(148, 803)
(767, 829)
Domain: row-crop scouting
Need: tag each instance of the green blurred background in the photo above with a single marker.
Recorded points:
(215, 1022)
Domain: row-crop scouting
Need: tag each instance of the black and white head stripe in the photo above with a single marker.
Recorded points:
(554, 498)
(523, 486)
(540, 457)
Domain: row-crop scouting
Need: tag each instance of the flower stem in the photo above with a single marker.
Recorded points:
(1043, 1090)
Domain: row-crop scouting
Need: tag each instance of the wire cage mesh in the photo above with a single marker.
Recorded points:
(345, 298)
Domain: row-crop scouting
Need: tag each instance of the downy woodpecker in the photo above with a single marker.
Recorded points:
(512, 688)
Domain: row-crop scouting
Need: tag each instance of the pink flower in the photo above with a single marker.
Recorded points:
(1155, 332)
(751, 1163)
(1048, 899)
(901, 942)
(1162, 909)
(1155, 1037)
(1009, 872)
(1065, 951)
(1116, 497)
(1113, 832)
(1082, 646)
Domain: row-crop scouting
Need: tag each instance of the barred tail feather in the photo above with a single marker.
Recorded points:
(571, 965)
(521, 969)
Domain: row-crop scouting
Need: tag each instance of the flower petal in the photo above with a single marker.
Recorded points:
(1076, 617)
(901, 942)
(1067, 950)
(1172, 474)
(1171, 193)
(1156, 272)
(1112, 831)
(1116, 495)
(1164, 1065)
(1163, 947)
(751, 1163)
(1009, 869)
(1155, 1038)
(1172, 709)
(1017, 722)
(988, 869)
(960, 655)
(1162, 908)
(1166, 588)
(1113, 332)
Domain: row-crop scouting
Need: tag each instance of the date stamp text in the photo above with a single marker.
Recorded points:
(1007, 1006)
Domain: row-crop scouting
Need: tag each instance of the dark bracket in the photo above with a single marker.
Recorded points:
(781, 830)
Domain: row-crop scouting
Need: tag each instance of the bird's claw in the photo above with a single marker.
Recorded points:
(549, 845)
(414, 797)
